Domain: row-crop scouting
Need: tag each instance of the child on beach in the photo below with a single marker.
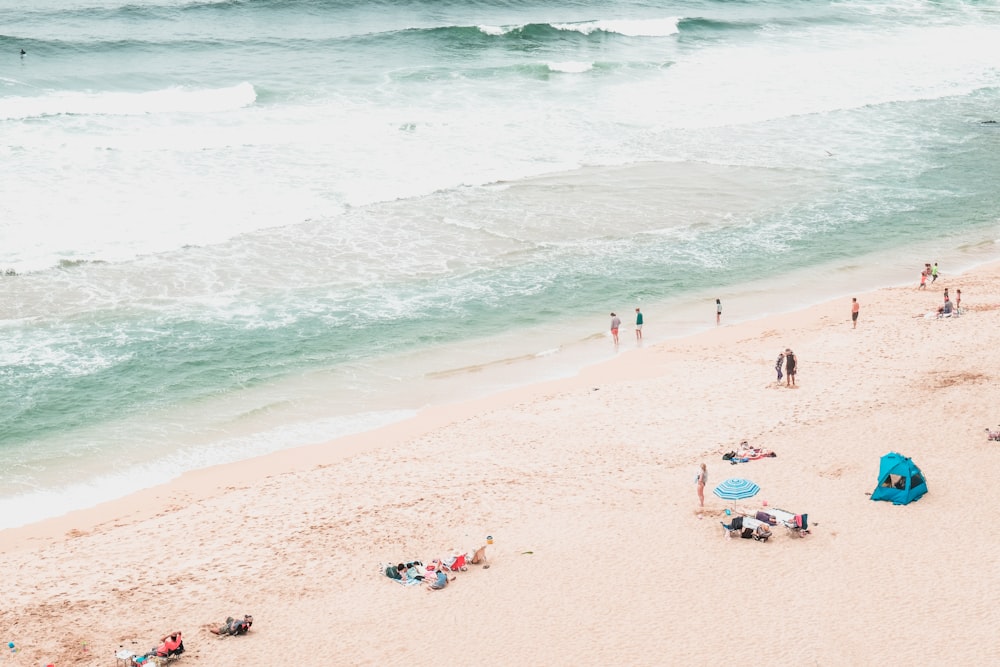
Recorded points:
(923, 280)
(440, 581)
(778, 364)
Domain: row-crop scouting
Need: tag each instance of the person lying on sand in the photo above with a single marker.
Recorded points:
(415, 570)
(233, 626)
(440, 581)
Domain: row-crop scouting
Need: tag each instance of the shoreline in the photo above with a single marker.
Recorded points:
(449, 385)
(202, 483)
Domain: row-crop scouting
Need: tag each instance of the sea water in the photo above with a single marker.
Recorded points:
(239, 226)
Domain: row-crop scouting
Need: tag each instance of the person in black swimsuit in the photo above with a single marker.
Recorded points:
(790, 363)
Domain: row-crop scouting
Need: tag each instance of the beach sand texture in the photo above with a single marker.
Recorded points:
(601, 554)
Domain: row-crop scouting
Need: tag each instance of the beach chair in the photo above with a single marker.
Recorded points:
(797, 525)
(734, 526)
(457, 562)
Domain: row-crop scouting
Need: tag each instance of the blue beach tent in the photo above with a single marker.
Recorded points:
(899, 480)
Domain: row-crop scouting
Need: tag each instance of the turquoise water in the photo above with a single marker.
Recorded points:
(241, 226)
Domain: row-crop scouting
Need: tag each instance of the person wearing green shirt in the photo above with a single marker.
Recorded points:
(638, 324)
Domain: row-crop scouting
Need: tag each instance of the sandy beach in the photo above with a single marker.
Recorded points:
(601, 554)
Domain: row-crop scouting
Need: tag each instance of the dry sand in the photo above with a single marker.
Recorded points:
(601, 554)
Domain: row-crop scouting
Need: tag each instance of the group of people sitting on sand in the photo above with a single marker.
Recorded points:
(172, 644)
(747, 453)
(436, 573)
(948, 309)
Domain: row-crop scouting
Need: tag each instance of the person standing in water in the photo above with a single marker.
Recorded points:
(638, 324)
(718, 312)
(616, 323)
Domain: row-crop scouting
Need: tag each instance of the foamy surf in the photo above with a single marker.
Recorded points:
(175, 99)
(629, 28)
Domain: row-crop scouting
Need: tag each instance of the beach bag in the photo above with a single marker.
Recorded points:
(728, 456)
(762, 533)
(747, 533)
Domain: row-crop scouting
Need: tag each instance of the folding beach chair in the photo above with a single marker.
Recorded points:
(796, 524)
(735, 526)
(457, 562)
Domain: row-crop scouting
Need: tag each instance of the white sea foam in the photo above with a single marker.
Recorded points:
(495, 30)
(630, 28)
(824, 72)
(57, 354)
(169, 100)
(571, 67)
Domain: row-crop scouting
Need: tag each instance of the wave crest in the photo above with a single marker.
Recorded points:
(628, 27)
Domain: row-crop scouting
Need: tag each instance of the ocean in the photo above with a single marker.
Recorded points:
(228, 228)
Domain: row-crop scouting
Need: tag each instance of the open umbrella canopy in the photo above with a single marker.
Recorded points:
(736, 489)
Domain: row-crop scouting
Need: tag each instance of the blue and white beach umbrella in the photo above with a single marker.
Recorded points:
(736, 489)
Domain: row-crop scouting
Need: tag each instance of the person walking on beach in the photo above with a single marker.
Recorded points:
(790, 365)
(855, 307)
(638, 324)
(923, 280)
(958, 299)
(616, 322)
(934, 272)
(718, 312)
(701, 480)
(778, 364)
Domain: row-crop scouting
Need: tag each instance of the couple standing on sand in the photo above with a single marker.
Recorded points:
(790, 362)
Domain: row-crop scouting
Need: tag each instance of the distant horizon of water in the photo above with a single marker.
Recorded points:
(236, 227)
